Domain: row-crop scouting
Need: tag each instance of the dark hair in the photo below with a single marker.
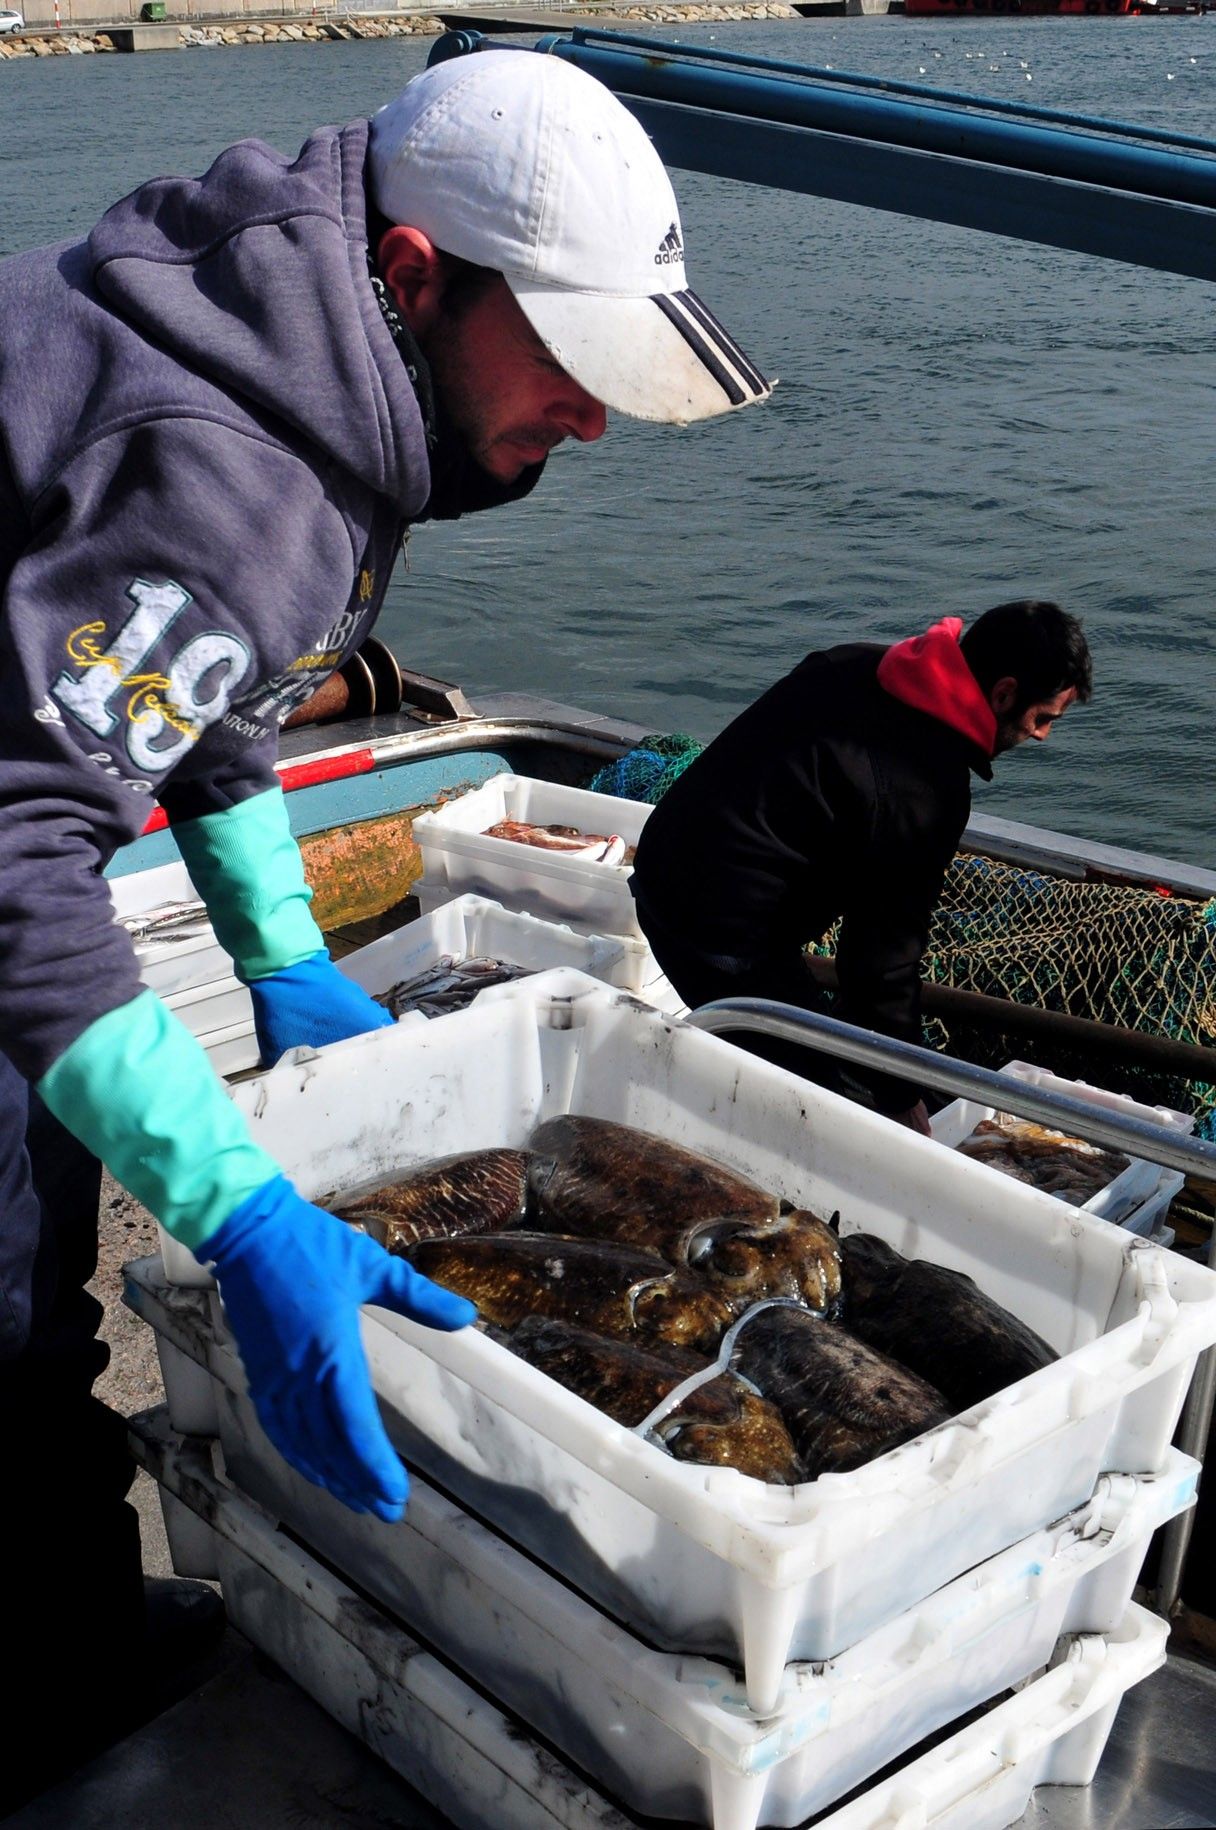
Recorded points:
(1033, 642)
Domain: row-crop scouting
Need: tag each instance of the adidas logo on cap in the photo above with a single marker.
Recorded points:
(671, 249)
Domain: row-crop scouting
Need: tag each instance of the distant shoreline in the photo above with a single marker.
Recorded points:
(44, 41)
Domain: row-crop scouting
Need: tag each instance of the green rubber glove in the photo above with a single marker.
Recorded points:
(138, 1089)
(246, 866)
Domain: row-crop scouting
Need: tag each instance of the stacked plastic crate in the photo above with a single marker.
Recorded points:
(698, 1646)
(586, 904)
(181, 960)
(460, 855)
(1137, 1197)
(528, 912)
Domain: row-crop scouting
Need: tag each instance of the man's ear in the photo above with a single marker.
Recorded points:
(1004, 695)
(412, 267)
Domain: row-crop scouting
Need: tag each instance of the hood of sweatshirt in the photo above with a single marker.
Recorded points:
(929, 673)
(255, 275)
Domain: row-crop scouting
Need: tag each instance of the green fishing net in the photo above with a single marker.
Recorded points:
(1137, 957)
(645, 774)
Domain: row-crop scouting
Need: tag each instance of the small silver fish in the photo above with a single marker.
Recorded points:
(450, 984)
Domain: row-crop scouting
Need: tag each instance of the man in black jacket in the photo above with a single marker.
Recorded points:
(843, 793)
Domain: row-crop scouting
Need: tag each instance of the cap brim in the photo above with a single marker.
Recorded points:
(661, 358)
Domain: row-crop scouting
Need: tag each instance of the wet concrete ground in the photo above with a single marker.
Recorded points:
(132, 1381)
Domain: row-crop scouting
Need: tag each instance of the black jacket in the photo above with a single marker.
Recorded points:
(827, 798)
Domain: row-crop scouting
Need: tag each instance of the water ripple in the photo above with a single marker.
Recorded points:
(961, 418)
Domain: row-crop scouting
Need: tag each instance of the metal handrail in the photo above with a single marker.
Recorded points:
(945, 1074)
(935, 93)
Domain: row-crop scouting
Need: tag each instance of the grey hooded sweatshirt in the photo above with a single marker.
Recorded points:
(210, 447)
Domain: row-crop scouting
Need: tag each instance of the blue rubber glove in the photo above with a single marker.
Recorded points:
(292, 1279)
(310, 1003)
(247, 868)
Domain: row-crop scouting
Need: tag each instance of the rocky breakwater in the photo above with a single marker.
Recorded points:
(262, 31)
(63, 44)
(312, 31)
(196, 34)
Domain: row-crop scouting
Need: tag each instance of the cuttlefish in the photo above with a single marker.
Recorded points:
(592, 1178)
(938, 1322)
(722, 1423)
(478, 1191)
(843, 1404)
(611, 1289)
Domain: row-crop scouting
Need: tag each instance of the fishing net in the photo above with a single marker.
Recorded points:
(645, 774)
(1139, 958)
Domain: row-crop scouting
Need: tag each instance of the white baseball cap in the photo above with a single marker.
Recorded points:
(518, 161)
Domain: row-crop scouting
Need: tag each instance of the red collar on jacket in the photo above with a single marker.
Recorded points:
(929, 673)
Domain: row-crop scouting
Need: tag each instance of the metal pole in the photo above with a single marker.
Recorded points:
(1192, 1439)
(1095, 194)
(853, 79)
(961, 1079)
(963, 133)
(964, 127)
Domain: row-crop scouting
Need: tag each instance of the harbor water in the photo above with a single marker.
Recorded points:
(960, 418)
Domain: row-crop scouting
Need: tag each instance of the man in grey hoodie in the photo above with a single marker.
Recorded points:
(219, 413)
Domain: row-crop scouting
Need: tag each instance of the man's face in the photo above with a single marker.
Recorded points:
(503, 391)
(1033, 722)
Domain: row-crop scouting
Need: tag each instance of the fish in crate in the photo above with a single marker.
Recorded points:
(593, 1178)
(688, 1303)
(1051, 1160)
(722, 1422)
(474, 1191)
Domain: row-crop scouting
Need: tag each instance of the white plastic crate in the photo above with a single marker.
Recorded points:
(224, 1004)
(172, 935)
(197, 983)
(482, 1765)
(1139, 1182)
(667, 1735)
(181, 960)
(1148, 1220)
(708, 1559)
(136, 892)
(394, 1695)
(459, 857)
(1052, 1732)
(472, 927)
(178, 952)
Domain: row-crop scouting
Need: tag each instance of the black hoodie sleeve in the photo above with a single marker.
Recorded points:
(885, 925)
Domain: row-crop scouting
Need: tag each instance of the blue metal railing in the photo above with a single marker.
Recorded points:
(1105, 188)
(927, 92)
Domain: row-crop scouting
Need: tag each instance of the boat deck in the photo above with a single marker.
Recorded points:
(1159, 1768)
(250, 1747)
